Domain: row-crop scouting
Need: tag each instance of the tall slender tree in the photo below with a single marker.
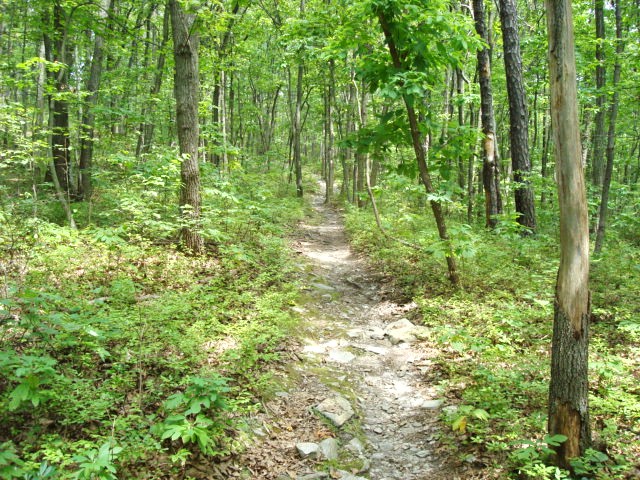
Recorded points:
(611, 134)
(400, 63)
(518, 115)
(58, 51)
(186, 41)
(490, 166)
(597, 161)
(88, 114)
(568, 391)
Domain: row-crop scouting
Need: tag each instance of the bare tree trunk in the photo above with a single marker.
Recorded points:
(460, 91)
(361, 157)
(490, 165)
(187, 88)
(597, 164)
(568, 391)
(224, 165)
(57, 50)
(297, 123)
(518, 116)
(330, 133)
(611, 136)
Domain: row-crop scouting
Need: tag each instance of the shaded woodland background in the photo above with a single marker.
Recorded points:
(124, 355)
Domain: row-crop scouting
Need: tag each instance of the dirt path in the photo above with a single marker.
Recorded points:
(351, 350)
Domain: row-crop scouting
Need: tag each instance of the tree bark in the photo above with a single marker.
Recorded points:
(568, 391)
(611, 135)
(597, 163)
(490, 166)
(297, 122)
(330, 133)
(186, 90)
(57, 50)
(518, 116)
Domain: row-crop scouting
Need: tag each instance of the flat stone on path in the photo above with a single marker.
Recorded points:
(432, 404)
(341, 356)
(337, 409)
(308, 449)
(329, 448)
(403, 331)
(322, 286)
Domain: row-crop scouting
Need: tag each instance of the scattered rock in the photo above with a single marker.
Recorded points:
(322, 286)
(401, 324)
(450, 409)
(355, 446)
(308, 449)
(401, 331)
(432, 404)
(401, 336)
(337, 409)
(354, 333)
(329, 448)
(341, 356)
(373, 349)
(376, 333)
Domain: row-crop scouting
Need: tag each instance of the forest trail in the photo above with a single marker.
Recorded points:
(350, 349)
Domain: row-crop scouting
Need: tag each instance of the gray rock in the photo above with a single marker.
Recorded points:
(432, 404)
(329, 448)
(353, 333)
(401, 336)
(337, 409)
(376, 333)
(401, 331)
(308, 449)
(355, 446)
(373, 349)
(422, 333)
(322, 286)
(341, 356)
(401, 324)
(450, 409)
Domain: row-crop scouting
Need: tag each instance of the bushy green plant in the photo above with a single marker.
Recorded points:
(190, 414)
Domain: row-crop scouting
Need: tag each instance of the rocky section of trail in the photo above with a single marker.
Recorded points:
(356, 405)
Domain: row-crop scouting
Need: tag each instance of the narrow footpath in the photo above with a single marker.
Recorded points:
(355, 404)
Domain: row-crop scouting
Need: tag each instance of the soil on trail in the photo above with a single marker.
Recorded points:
(346, 350)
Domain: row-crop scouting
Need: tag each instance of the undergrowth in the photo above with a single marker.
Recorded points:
(122, 357)
(494, 338)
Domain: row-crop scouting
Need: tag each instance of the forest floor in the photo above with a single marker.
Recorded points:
(355, 343)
